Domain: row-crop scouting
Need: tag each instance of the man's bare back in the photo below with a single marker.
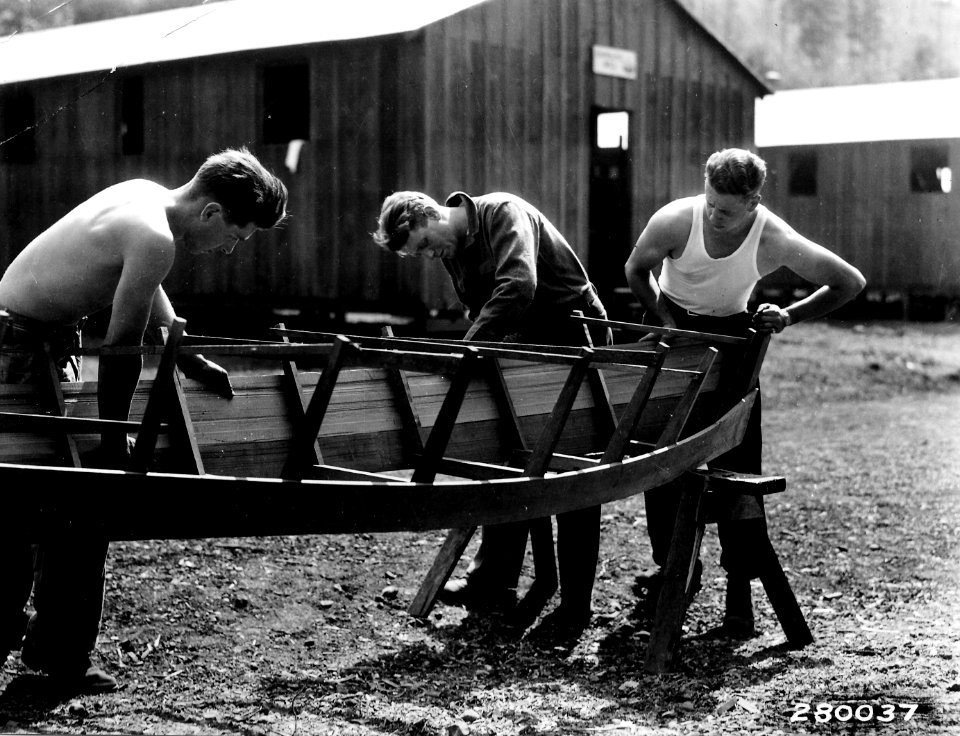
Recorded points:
(113, 250)
(72, 269)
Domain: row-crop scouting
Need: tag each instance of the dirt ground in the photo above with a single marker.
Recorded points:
(309, 635)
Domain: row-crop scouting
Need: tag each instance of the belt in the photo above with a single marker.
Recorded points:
(712, 316)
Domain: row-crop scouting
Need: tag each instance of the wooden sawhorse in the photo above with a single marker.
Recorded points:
(698, 507)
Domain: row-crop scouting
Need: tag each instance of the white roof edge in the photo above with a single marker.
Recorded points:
(207, 29)
(915, 110)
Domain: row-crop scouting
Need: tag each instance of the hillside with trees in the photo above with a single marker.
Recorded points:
(824, 43)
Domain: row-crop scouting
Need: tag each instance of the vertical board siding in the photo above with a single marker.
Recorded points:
(902, 241)
(532, 108)
(497, 97)
(325, 238)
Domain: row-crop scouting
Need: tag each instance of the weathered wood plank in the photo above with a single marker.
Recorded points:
(677, 579)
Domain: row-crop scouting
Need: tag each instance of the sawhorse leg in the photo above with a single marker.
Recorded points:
(694, 513)
(785, 605)
(677, 580)
(537, 465)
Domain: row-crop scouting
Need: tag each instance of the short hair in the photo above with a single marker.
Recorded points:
(735, 171)
(243, 186)
(400, 214)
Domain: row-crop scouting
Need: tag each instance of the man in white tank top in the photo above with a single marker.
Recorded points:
(712, 250)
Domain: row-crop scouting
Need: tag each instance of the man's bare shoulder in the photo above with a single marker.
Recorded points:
(778, 234)
(781, 245)
(135, 210)
(674, 219)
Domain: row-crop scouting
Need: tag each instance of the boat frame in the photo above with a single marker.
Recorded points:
(398, 434)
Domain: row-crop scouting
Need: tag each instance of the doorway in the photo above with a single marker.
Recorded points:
(610, 211)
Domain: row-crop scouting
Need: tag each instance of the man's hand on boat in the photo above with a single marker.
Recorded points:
(113, 453)
(771, 318)
(206, 372)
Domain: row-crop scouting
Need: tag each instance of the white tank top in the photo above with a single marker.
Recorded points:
(718, 287)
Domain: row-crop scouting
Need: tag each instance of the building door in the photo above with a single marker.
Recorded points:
(610, 210)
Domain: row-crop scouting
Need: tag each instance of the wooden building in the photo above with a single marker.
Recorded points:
(868, 171)
(596, 111)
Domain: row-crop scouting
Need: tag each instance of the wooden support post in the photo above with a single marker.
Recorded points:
(539, 461)
(182, 432)
(681, 412)
(620, 440)
(446, 420)
(301, 446)
(688, 531)
(56, 402)
(785, 605)
(443, 566)
(537, 465)
(546, 580)
(598, 385)
(163, 386)
(403, 398)
(293, 391)
(703, 489)
(457, 539)
(677, 580)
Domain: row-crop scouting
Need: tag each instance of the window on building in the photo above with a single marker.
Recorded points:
(930, 169)
(131, 116)
(18, 142)
(286, 103)
(802, 174)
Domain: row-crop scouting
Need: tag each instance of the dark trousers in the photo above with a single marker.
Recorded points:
(499, 559)
(744, 544)
(66, 574)
(67, 578)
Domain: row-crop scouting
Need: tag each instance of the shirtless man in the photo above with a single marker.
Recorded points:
(113, 250)
(713, 249)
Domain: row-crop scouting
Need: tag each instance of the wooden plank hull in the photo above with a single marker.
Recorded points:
(49, 500)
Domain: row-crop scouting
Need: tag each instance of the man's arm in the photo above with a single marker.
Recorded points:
(144, 266)
(656, 242)
(838, 281)
(193, 366)
(514, 243)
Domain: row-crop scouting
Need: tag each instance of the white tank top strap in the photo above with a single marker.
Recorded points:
(709, 286)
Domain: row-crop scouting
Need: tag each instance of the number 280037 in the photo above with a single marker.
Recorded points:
(844, 712)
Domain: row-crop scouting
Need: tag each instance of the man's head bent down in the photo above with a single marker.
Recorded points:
(401, 214)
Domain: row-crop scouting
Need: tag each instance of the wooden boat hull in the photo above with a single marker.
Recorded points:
(128, 506)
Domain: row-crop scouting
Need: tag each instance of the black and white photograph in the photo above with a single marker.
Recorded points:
(480, 367)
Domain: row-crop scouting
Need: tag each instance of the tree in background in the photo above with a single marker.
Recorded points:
(19, 16)
(792, 43)
(820, 43)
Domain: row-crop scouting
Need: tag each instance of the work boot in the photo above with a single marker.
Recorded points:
(77, 674)
(562, 626)
(738, 620)
(478, 598)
